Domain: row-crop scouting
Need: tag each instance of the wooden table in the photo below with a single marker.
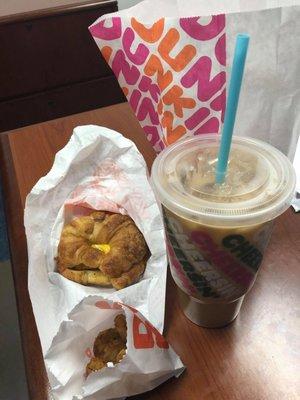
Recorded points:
(255, 358)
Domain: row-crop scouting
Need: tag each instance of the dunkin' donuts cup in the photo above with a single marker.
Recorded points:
(217, 233)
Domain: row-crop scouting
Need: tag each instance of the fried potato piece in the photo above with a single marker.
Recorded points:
(94, 365)
(121, 327)
(104, 249)
(120, 355)
(109, 346)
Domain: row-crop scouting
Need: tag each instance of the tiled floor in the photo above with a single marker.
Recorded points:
(12, 373)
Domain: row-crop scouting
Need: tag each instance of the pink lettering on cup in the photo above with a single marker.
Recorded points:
(222, 260)
(179, 272)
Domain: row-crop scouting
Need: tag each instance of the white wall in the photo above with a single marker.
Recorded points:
(127, 3)
(8, 7)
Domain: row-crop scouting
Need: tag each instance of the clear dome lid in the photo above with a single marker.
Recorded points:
(259, 184)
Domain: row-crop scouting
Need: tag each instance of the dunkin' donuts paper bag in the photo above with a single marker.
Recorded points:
(173, 58)
(98, 169)
(149, 359)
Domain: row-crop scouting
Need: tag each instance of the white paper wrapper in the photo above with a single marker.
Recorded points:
(269, 106)
(149, 359)
(99, 169)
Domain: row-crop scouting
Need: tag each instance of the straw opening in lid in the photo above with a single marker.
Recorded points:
(262, 197)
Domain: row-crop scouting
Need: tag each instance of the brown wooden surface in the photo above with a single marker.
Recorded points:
(48, 52)
(255, 358)
(58, 102)
(51, 66)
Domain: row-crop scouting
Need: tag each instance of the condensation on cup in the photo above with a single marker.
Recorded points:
(217, 234)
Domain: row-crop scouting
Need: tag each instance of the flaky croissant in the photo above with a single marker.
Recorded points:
(104, 249)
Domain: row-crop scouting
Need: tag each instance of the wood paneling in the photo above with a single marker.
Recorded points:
(59, 102)
(50, 65)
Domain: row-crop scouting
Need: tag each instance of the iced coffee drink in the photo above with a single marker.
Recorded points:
(217, 233)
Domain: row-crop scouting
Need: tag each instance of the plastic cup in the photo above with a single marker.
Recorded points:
(217, 234)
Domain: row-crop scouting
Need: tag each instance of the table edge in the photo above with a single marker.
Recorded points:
(21, 129)
(13, 208)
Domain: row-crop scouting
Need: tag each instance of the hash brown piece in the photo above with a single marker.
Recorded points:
(109, 346)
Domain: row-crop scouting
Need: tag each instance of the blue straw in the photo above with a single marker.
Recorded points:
(241, 47)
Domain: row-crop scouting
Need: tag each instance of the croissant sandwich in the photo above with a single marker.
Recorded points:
(102, 249)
